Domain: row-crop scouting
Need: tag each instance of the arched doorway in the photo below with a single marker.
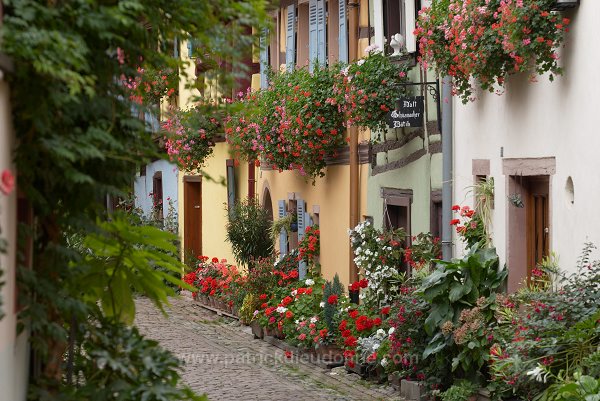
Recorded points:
(267, 204)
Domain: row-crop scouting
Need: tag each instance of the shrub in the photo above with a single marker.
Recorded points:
(248, 232)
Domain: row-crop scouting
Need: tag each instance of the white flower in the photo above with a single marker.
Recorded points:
(380, 333)
(391, 331)
(375, 347)
(372, 48)
(361, 61)
(384, 362)
(314, 319)
(281, 309)
(309, 282)
(322, 304)
(345, 73)
(539, 374)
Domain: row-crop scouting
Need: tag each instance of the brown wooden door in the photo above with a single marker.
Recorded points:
(192, 229)
(538, 224)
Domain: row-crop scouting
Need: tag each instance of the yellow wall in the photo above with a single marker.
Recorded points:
(331, 193)
(214, 192)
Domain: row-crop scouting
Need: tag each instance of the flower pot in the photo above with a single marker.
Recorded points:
(330, 352)
(257, 330)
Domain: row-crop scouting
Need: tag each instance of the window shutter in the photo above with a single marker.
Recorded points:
(230, 172)
(264, 58)
(321, 32)
(313, 53)
(282, 233)
(301, 217)
(176, 48)
(190, 46)
(410, 25)
(290, 38)
(343, 32)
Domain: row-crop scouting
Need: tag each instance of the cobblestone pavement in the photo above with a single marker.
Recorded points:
(225, 362)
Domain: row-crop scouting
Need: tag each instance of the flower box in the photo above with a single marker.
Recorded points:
(413, 390)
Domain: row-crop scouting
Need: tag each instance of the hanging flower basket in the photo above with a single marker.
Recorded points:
(488, 40)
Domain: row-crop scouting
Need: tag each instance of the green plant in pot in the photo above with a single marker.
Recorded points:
(287, 223)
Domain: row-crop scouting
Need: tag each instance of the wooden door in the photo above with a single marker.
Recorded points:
(192, 229)
(538, 224)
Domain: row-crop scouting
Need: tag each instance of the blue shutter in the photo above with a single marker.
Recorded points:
(176, 48)
(290, 38)
(301, 216)
(264, 58)
(282, 233)
(190, 46)
(313, 53)
(343, 32)
(321, 33)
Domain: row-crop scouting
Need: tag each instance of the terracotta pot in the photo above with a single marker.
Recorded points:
(330, 352)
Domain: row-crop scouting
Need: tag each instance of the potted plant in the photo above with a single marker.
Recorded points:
(490, 40)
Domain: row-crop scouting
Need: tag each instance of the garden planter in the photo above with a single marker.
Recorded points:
(359, 369)
(413, 390)
(329, 353)
(257, 329)
(394, 380)
(377, 374)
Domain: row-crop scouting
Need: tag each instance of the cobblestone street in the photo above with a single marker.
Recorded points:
(225, 362)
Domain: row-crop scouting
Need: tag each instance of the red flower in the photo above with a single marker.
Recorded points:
(372, 357)
(454, 222)
(286, 301)
(289, 314)
(342, 325)
(288, 354)
(385, 310)
(353, 314)
(7, 182)
(262, 297)
(350, 341)
(456, 208)
(215, 260)
(376, 321)
(351, 364)
(332, 300)
(323, 332)
(364, 283)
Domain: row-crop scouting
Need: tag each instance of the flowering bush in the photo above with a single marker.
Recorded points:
(368, 88)
(290, 124)
(215, 278)
(424, 249)
(149, 86)
(355, 322)
(378, 255)
(189, 136)
(469, 226)
(489, 40)
(309, 247)
(547, 336)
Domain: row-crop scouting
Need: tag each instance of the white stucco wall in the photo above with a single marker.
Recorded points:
(143, 185)
(13, 349)
(543, 119)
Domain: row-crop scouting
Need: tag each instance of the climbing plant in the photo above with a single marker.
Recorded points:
(79, 142)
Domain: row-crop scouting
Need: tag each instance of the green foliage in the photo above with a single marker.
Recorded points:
(451, 289)
(460, 391)
(248, 231)
(78, 141)
(249, 305)
(330, 310)
(117, 363)
(122, 258)
(582, 388)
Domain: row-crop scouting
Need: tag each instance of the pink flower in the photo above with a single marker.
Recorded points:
(7, 182)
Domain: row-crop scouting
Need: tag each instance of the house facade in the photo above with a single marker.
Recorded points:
(537, 142)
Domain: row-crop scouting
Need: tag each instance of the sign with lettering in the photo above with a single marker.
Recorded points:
(409, 113)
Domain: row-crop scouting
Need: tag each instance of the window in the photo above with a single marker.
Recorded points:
(397, 208)
(157, 195)
(435, 226)
(399, 16)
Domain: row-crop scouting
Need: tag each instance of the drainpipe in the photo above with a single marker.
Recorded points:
(353, 8)
(446, 100)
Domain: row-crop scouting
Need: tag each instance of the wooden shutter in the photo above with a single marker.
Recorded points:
(230, 170)
(264, 58)
(313, 43)
(410, 15)
(321, 32)
(343, 32)
(290, 38)
(282, 233)
(176, 48)
(301, 217)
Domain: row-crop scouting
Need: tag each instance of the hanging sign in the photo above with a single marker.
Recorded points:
(409, 113)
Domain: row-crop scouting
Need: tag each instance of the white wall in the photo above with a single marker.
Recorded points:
(13, 349)
(543, 119)
(143, 185)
